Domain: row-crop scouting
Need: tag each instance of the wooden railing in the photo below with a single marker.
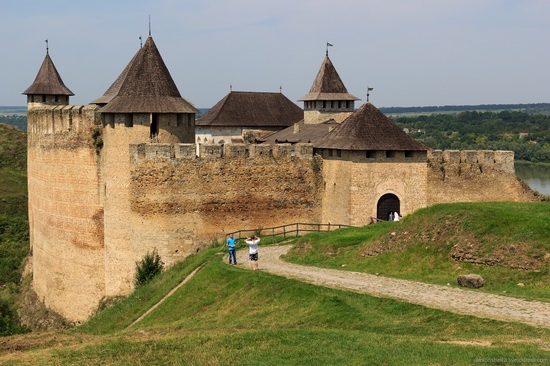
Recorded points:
(284, 231)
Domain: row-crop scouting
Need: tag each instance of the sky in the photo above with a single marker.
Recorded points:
(411, 52)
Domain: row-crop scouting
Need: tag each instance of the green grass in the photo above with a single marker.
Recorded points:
(120, 313)
(230, 316)
(419, 247)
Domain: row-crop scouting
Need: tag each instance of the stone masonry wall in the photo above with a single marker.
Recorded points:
(474, 176)
(180, 202)
(65, 209)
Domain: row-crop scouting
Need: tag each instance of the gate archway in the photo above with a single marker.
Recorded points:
(386, 204)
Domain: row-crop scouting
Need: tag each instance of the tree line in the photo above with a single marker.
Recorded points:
(529, 108)
(528, 135)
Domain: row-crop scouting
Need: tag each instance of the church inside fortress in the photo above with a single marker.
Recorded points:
(135, 170)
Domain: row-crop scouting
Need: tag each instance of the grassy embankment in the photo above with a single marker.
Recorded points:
(512, 237)
(14, 235)
(229, 316)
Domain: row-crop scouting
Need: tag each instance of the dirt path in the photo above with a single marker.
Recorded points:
(185, 280)
(452, 299)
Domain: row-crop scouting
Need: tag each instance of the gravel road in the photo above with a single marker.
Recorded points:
(456, 300)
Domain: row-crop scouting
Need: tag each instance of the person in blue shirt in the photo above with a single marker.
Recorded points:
(231, 246)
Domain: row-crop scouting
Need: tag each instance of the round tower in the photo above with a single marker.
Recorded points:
(65, 202)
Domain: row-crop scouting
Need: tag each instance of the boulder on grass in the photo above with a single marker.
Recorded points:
(470, 280)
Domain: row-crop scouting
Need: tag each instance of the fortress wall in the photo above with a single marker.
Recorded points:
(336, 199)
(123, 230)
(65, 210)
(179, 205)
(474, 176)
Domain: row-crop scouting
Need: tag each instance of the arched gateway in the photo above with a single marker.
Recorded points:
(386, 204)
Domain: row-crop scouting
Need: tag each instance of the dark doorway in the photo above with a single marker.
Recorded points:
(154, 128)
(386, 204)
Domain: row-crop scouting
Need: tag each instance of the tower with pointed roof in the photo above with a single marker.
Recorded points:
(48, 87)
(146, 95)
(143, 105)
(328, 97)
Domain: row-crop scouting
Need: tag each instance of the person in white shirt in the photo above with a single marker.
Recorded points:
(253, 242)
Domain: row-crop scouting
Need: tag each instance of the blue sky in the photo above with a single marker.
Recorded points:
(412, 52)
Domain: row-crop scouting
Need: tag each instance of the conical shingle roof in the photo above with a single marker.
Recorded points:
(48, 81)
(252, 109)
(328, 85)
(147, 86)
(368, 129)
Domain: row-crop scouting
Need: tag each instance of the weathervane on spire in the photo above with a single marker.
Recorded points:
(149, 25)
(47, 47)
(140, 42)
(328, 45)
(369, 89)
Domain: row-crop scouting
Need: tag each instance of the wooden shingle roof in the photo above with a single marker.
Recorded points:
(328, 85)
(147, 86)
(300, 133)
(48, 81)
(252, 109)
(368, 129)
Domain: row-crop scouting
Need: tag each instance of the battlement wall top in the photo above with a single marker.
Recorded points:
(50, 119)
(497, 159)
(148, 151)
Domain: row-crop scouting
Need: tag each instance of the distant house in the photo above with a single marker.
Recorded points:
(245, 116)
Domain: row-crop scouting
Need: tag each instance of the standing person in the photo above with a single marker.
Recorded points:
(395, 216)
(390, 217)
(253, 242)
(231, 246)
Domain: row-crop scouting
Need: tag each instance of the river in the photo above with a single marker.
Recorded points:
(537, 176)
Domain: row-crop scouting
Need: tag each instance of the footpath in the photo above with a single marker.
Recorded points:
(456, 300)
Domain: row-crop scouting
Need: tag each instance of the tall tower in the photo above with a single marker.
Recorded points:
(143, 105)
(47, 88)
(65, 198)
(328, 97)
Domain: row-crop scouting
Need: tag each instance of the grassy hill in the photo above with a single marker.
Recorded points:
(506, 243)
(14, 232)
(226, 315)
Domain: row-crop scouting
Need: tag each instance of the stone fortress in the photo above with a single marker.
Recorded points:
(114, 179)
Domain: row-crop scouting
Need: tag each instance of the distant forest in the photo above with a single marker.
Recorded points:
(533, 108)
(528, 135)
